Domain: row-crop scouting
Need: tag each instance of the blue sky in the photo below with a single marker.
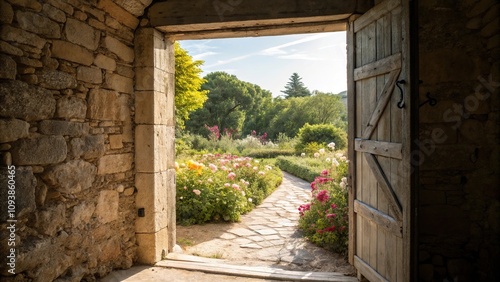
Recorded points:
(320, 59)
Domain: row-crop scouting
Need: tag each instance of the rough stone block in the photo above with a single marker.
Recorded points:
(13, 130)
(120, 49)
(43, 150)
(152, 195)
(8, 67)
(57, 80)
(82, 34)
(68, 9)
(21, 100)
(33, 5)
(65, 128)
(118, 13)
(491, 29)
(6, 12)
(71, 107)
(89, 74)
(151, 148)
(51, 220)
(105, 62)
(125, 70)
(38, 24)
(107, 206)
(88, 147)
(115, 141)
(134, 7)
(103, 105)
(436, 66)
(151, 246)
(72, 177)
(110, 250)
(54, 13)
(10, 49)
(82, 214)
(119, 83)
(25, 183)
(115, 163)
(72, 52)
(9, 33)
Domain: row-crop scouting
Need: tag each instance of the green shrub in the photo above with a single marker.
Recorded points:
(298, 167)
(269, 153)
(222, 187)
(321, 134)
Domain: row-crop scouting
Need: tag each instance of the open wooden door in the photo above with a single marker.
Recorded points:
(379, 142)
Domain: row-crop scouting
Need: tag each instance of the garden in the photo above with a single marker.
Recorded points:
(233, 140)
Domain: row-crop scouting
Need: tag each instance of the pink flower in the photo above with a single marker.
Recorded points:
(324, 172)
(197, 192)
(236, 187)
(231, 175)
(227, 184)
(331, 215)
(213, 167)
(322, 196)
(333, 206)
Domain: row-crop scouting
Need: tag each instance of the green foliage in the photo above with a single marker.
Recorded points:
(295, 87)
(231, 102)
(322, 134)
(188, 94)
(269, 153)
(222, 187)
(294, 166)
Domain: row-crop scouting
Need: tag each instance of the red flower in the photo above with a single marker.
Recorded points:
(322, 196)
(334, 206)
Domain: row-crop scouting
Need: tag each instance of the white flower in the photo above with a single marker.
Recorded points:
(316, 155)
(331, 145)
(322, 151)
(328, 160)
(335, 162)
(250, 200)
(343, 185)
(303, 154)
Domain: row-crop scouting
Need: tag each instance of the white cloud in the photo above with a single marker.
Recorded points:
(300, 56)
(232, 60)
(204, 55)
(278, 50)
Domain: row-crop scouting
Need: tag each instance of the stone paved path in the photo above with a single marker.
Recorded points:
(268, 235)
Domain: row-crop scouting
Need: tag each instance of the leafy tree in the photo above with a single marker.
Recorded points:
(321, 134)
(188, 93)
(228, 100)
(326, 108)
(295, 87)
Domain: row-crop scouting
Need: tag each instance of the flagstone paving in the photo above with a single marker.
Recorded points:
(269, 235)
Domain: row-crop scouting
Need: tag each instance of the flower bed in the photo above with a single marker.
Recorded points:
(222, 187)
(325, 219)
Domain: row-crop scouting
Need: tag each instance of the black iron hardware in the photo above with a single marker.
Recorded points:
(401, 103)
(141, 212)
(430, 100)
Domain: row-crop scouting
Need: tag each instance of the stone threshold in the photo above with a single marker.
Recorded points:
(217, 266)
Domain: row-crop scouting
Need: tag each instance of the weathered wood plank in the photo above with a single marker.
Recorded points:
(384, 134)
(384, 99)
(385, 185)
(379, 67)
(181, 13)
(382, 219)
(351, 112)
(257, 272)
(255, 31)
(380, 148)
(375, 13)
(371, 274)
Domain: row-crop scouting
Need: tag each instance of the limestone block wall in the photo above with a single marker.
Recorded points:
(66, 123)
(459, 141)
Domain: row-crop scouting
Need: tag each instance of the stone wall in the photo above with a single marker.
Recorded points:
(459, 141)
(66, 123)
